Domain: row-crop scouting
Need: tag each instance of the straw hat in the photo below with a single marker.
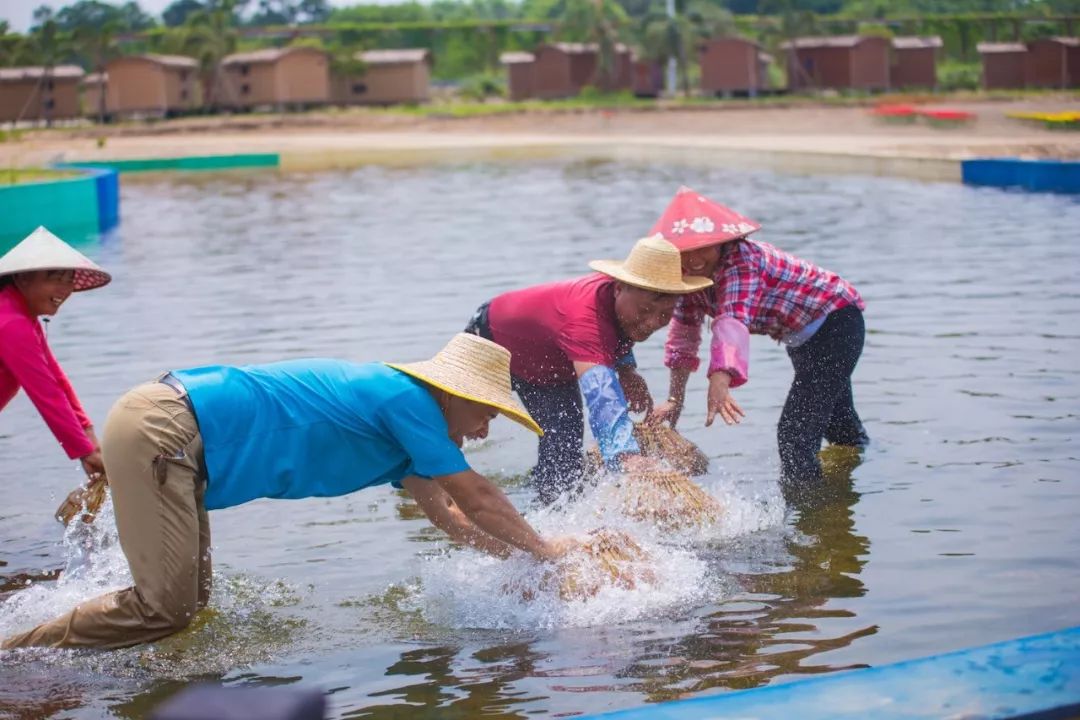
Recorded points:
(653, 264)
(475, 369)
(694, 221)
(41, 250)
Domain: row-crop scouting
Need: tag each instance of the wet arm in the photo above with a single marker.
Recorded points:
(444, 514)
(488, 508)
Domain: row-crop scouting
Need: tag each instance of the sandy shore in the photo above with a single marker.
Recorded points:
(842, 139)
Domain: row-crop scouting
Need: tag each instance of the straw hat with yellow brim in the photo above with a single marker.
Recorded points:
(41, 250)
(653, 264)
(476, 369)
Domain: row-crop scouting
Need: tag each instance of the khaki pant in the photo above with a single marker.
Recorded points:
(154, 461)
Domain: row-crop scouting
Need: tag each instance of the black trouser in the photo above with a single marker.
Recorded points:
(820, 404)
(557, 409)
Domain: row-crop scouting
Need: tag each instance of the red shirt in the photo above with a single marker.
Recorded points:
(548, 327)
(27, 362)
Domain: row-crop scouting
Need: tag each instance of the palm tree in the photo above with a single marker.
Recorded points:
(664, 38)
(49, 46)
(599, 22)
(210, 35)
(792, 24)
(98, 45)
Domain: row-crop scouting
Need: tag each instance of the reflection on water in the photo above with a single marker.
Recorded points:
(958, 528)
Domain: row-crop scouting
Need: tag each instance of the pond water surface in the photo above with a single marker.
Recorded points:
(958, 528)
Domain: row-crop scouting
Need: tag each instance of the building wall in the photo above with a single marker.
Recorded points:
(303, 76)
(135, 85)
(182, 88)
(1003, 70)
(1047, 65)
(247, 85)
(825, 67)
(914, 67)
(27, 99)
(551, 74)
(91, 97)
(730, 65)
(648, 78)
(519, 80)
(870, 64)
(385, 85)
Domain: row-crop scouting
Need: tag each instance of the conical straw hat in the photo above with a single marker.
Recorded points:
(475, 369)
(41, 250)
(693, 221)
(653, 264)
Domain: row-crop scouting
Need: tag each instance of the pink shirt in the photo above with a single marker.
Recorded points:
(548, 327)
(27, 362)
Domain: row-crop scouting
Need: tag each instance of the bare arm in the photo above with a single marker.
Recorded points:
(447, 516)
(490, 511)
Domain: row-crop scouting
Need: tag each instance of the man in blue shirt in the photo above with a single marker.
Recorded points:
(216, 437)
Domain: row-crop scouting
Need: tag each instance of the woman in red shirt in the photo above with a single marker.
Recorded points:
(36, 277)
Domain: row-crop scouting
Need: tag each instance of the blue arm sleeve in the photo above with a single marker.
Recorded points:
(627, 360)
(609, 418)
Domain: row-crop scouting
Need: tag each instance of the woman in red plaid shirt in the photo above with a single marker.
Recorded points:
(762, 290)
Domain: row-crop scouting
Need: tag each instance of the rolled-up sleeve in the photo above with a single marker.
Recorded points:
(741, 289)
(684, 337)
(24, 352)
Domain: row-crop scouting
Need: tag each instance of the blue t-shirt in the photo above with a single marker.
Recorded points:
(314, 428)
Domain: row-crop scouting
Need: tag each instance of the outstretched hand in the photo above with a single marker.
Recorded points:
(562, 546)
(720, 401)
(669, 411)
(93, 466)
(638, 398)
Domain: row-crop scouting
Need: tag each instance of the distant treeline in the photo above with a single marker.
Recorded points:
(468, 36)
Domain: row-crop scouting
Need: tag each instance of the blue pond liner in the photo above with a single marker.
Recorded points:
(1061, 176)
(1031, 677)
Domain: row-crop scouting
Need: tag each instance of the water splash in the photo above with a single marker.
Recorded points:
(243, 624)
(465, 589)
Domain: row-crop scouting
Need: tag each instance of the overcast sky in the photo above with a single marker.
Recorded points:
(20, 13)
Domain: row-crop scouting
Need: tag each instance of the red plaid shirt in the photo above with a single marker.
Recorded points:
(769, 291)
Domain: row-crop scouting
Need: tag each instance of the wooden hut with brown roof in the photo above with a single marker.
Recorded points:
(92, 89)
(276, 77)
(519, 74)
(390, 77)
(157, 85)
(40, 93)
(1003, 64)
(733, 65)
(914, 62)
(841, 62)
(562, 70)
(1052, 62)
(648, 79)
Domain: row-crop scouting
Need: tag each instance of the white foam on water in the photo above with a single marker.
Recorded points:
(463, 588)
(94, 565)
(242, 625)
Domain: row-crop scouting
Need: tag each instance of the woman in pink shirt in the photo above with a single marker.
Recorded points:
(36, 277)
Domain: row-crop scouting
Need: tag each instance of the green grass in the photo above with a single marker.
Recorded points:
(15, 176)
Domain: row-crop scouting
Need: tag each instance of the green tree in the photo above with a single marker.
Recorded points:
(789, 23)
(209, 36)
(178, 11)
(98, 45)
(50, 46)
(600, 22)
(129, 17)
(14, 48)
(664, 38)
